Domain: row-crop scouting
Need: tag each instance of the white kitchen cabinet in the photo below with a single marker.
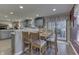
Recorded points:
(5, 34)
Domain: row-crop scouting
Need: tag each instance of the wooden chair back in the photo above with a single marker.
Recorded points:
(34, 35)
(25, 36)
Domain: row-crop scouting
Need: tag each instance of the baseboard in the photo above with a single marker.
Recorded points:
(73, 48)
(19, 53)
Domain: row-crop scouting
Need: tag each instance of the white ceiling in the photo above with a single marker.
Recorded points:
(31, 10)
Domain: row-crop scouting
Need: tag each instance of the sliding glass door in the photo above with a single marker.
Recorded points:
(61, 30)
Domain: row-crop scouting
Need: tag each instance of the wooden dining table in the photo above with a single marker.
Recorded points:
(45, 34)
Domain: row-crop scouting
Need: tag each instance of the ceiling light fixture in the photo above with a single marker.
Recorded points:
(5, 16)
(11, 13)
(21, 7)
(37, 15)
(54, 9)
(31, 18)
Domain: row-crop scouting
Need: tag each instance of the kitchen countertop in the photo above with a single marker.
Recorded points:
(25, 29)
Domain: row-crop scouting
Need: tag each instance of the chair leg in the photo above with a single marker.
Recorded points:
(40, 52)
(56, 49)
(31, 50)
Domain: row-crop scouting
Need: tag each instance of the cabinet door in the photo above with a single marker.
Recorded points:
(4, 34)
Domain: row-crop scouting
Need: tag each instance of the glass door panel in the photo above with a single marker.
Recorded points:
(61, 30)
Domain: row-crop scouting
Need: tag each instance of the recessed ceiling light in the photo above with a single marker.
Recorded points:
(31, 18)
(54, 9)
(37, 15)
(11, 13)
(5, 16)
(21, 7)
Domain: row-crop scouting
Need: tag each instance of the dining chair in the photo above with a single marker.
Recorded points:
(26, 42)
(37, 43)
